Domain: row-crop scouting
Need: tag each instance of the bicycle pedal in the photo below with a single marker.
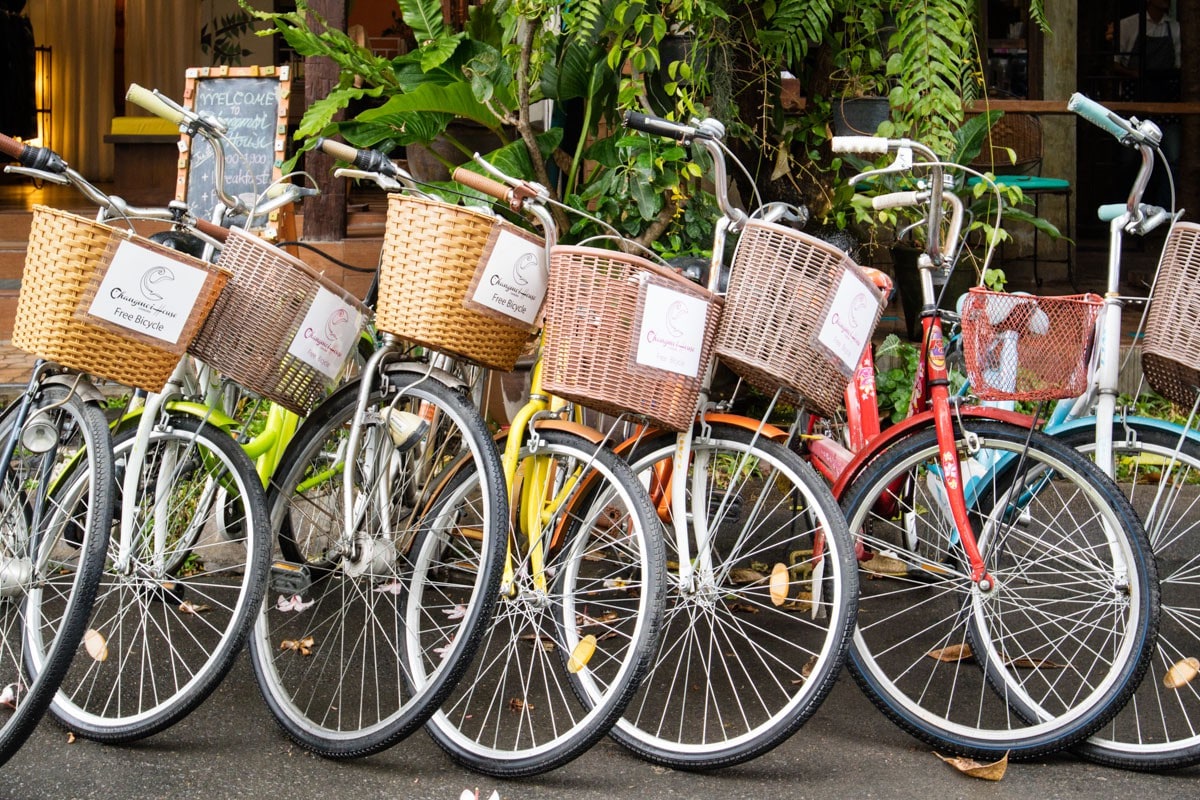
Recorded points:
(288, 578)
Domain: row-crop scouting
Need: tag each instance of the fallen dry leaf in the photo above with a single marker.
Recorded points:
(302, 646)
(95, 644)
(969, 766)
(749, 609)
(1181, 673)
(1032, 663)
(10, 694)
(70, 738)
(955, 652)
(546, 642)
(188, 607)
(517, 704)
(742, 576)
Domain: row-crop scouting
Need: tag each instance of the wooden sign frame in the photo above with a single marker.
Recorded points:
(196, 78)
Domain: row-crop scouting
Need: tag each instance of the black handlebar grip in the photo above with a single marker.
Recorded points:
(42, 158)
(368, 160)
(658, 126)
(482, 183)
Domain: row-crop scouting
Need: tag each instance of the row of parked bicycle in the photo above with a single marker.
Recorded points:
(633, 553)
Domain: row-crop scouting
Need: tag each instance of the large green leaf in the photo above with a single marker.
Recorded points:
(425, 18)
(401, 129)
(456, 99)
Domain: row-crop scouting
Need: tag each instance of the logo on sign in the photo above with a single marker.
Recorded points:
(152, 276)
(675, 317)
(335, 322)
(521, 269)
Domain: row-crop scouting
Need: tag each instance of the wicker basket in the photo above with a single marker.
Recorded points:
(602, 351)
(431, 251)
(1021, 347)
(66, 264)
(279, 328)
(798, 315)
(1171, 348)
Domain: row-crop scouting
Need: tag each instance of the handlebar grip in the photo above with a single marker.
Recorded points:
(41, 158)
(148, 100)
(658, 126)
(895, 200)
(1096, 114)
(482, 183)
(1110, 211)
(12, 148)
(859, 144)
(369, 160)
(211, 230)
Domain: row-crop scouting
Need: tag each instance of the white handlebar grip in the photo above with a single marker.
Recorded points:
(894, 200)
(145, 98)
(859, 144)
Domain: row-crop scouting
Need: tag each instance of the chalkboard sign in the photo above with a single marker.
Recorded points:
(252, 102)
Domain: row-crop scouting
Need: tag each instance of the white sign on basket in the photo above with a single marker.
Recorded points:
(850, 321)
(146, 292)
(672, 331)
(514, 278)
(327, 335)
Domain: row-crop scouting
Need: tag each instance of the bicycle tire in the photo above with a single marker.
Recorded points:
(399, 648)
(520, 710)
(50, 567)
(972, 673)
(768, 659)
(169, 627)
(1159, 728)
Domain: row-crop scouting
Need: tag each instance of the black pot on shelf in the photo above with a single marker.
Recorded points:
(908, 286)
(859, 116)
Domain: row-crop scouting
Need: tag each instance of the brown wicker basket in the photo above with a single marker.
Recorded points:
(66, 263)
(603, 316)
(1021, 347)
(279, 328)
(788, 320)
(431, 251)
(1171, 348)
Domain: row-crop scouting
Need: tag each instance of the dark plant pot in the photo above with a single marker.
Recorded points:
(425, 166)
(908, 285)
(860, 116)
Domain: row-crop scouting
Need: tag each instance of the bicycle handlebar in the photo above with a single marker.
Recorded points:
(39, 158)
(1099, 116)
(898, 199)
(156, 104)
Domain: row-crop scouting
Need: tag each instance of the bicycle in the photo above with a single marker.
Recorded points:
(1157, 461)
(739, 515)
(903, 495)
(55, 491)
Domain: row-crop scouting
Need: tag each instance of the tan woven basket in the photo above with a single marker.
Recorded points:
(254, 334)
(65, 262)
(594, 326)
(1171, 348)
(431, 251)
(1020, 347)
(779, 306)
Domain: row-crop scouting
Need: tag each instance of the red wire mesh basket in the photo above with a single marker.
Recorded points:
(1022, 347)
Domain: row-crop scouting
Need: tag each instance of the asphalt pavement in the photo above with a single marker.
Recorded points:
(230, 748)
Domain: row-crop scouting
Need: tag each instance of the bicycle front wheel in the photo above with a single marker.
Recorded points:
(56, 504)
(753, 643)
(366, 630)
(1159, 728)
(1047, 656)
(179, 591)
(577, 621)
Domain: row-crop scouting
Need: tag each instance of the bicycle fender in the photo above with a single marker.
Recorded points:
(86, 391)
(747, 423)
(591, 434)
(917, 422)
(1140, 422)
(419, 368)
(188, 407)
